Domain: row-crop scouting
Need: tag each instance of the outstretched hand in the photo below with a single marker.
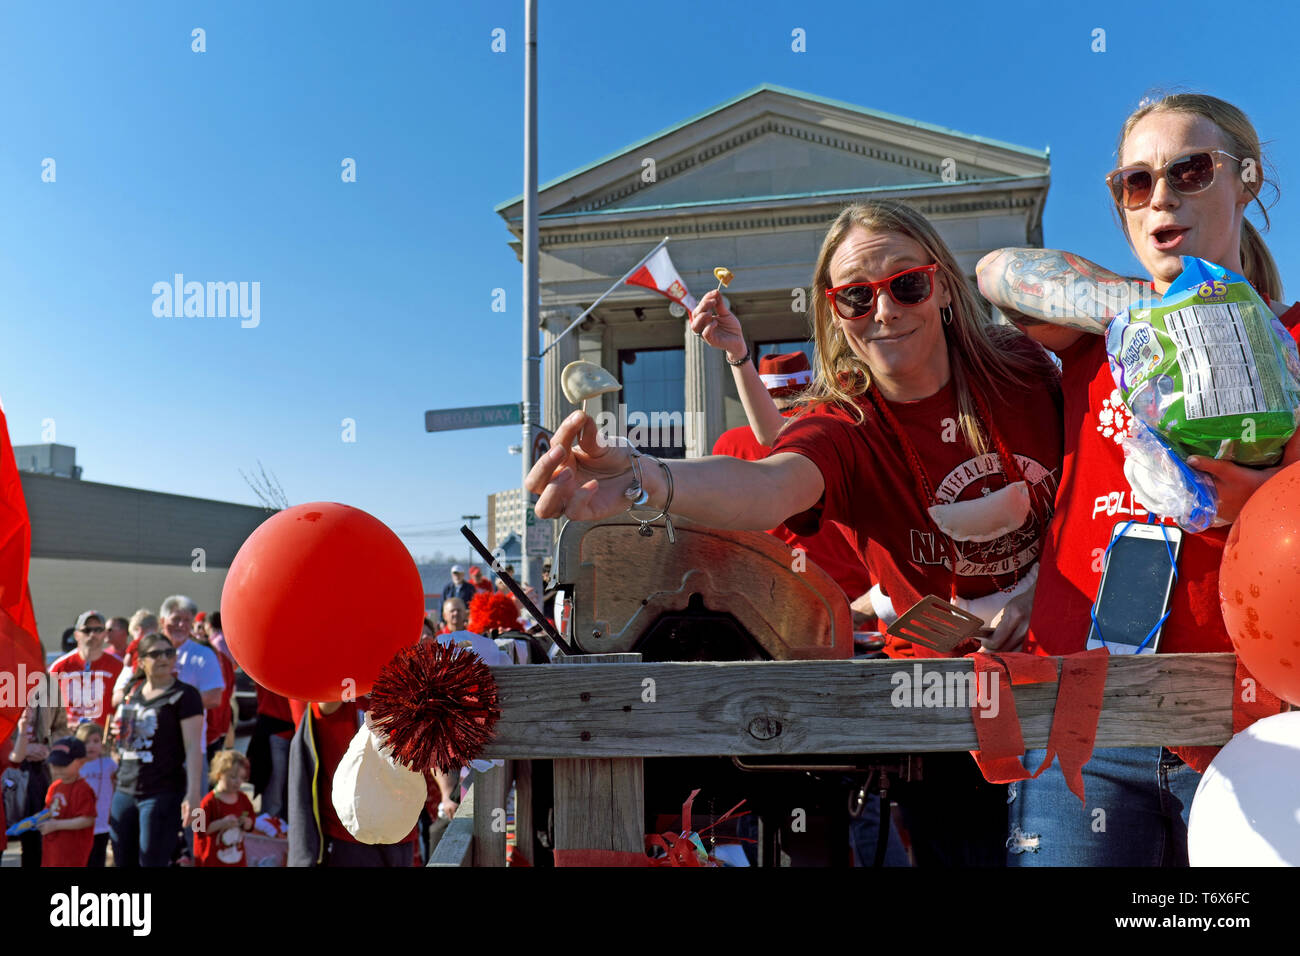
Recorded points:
(584, 475)
(719, 328)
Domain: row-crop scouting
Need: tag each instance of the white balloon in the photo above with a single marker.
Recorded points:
(377, 800)
(1247, 808)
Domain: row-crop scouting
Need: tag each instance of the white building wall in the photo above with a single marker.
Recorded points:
(63, 588)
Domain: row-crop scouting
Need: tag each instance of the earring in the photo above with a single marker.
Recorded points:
(946, 313)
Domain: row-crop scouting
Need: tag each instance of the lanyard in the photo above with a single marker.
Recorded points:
(1151, 519)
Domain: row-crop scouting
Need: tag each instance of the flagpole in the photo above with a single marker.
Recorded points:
(532, 387)
(574, 324)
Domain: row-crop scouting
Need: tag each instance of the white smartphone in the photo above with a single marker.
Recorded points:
(1137, 582)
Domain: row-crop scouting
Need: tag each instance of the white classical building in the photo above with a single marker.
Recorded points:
(752, 185)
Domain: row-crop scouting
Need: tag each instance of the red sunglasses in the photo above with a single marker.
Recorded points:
(855, 300)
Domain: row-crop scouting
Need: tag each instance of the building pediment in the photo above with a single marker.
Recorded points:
(777, 144)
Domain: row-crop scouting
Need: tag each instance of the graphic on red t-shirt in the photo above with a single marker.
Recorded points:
(69, 801)
(226, 847)
(87, 693)
(829, 549)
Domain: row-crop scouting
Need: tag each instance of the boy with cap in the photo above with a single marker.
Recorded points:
(67, 838)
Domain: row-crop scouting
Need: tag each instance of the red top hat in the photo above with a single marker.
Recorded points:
(787, 374)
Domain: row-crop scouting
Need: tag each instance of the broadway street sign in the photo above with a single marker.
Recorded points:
(479, 416)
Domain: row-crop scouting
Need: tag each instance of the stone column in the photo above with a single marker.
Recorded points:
(554, 405)
(705, 371)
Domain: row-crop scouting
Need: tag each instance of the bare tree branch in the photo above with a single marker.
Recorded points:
(267, 488)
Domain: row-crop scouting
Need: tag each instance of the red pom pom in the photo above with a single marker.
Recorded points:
(492, 611)
(436, 704)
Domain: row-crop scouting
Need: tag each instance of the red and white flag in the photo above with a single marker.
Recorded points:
(20, 644)
(659, 273)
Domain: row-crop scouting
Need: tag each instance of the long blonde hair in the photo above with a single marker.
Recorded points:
(1243, 142)
(979, 353)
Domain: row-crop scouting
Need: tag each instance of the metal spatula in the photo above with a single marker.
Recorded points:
(936, 624)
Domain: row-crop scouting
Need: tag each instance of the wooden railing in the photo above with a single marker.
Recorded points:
(599, 721)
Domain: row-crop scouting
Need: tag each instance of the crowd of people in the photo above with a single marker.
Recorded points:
(134, 747)
(117, 750)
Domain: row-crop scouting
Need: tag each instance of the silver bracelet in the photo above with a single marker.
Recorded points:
(644, 531)
(636, 492)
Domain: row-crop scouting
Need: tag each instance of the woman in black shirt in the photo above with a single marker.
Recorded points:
(158, 729)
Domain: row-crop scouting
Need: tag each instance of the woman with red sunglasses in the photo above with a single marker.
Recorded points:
(933, 436)
(1189, 166)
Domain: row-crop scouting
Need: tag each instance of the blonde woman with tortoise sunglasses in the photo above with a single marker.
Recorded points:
(1189, 166)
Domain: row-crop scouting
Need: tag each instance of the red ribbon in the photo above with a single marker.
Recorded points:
(1074, 721)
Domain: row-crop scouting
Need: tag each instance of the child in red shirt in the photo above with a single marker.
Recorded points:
(226, 813)
(66, 839)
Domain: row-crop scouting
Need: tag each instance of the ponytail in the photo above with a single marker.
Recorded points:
(1257, 263)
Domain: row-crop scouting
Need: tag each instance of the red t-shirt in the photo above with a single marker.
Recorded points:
(334, 732)
(87, 694)
(1094, 496)
(871, 490)
(219, 717)
(227, 847)
(828, 548)
(68, 801)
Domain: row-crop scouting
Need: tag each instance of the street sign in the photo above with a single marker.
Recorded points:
(478, 416)
(541, 540)
(541, 442)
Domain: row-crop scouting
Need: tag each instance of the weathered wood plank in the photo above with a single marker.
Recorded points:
(600, 804)
(772, 708)
(457, 843)
(493, 786)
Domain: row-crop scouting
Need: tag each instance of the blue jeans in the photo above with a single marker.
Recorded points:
(274, 797)
(1138, 799)
(144, 829)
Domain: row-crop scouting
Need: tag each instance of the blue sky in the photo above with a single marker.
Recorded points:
(376, 295)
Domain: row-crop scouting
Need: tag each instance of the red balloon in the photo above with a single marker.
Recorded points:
(318, 599)
(1259, 584)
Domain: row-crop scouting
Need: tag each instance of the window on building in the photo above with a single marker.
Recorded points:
(654, 393)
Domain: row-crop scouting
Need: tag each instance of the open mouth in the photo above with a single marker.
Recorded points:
(1169, 238)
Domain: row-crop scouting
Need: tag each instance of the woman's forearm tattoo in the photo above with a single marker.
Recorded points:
(1060, 288)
